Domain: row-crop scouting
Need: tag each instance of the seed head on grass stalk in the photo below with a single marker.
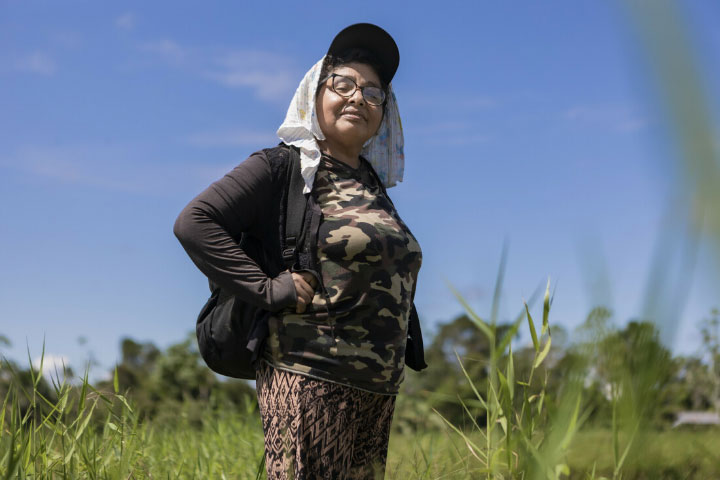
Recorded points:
(520, 439)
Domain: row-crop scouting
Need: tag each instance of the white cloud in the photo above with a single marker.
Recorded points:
(52, 365)
(611, 117)
(168, 50)
(265, 72)
(268, 86)
(36, 62)
(73, 165)
(270, 76)
(233, 137)
(125, 21)
(113, 169)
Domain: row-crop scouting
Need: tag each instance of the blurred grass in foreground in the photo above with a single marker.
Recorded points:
(676, 89)
(684, 99)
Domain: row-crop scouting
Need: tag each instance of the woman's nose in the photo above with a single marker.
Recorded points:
(357, 97)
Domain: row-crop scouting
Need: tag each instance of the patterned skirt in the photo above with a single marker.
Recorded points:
(316, 429)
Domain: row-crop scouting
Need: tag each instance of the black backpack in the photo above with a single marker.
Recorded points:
(230, 332)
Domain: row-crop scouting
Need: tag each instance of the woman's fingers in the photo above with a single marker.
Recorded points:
(303, 287)
(305, 291)
(310, 279)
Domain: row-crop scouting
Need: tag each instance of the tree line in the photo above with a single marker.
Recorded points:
(160, 382)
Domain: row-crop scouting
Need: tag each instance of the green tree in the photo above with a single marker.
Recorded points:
(24, 381)
(628, 367)
(164, 383)
(710, 332)
(443, 382)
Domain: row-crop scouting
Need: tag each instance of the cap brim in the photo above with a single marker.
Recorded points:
(372, 38)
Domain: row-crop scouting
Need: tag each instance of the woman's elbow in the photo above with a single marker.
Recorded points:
(184, 228)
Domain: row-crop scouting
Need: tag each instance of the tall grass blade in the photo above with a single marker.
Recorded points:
(472, 418)
(504, 384)
(474, 449)
(83, 389)
(565, 443)
(479, 322)
(470, 382)
(531, 326)
(116, 383)
(85, 422)
(507, 338)
(498, 284)
(510, 374)
(4, 409)
(631, 441)
(544, 353)
(546, 308)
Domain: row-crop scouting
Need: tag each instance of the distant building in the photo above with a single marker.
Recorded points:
(697, 418)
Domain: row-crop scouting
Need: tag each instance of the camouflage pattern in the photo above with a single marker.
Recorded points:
(355, 330)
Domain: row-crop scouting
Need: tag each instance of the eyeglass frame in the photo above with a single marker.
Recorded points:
(362, 89)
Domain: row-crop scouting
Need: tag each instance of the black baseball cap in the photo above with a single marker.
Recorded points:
(372, 38)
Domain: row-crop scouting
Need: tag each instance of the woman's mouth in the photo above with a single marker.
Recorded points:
(352, 116)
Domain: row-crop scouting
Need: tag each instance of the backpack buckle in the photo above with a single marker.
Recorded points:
(288, 253)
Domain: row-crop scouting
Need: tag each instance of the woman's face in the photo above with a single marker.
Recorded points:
(349, 121)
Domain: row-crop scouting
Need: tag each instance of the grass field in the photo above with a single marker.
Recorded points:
(514, 427)
(662, 455)
(101, 437)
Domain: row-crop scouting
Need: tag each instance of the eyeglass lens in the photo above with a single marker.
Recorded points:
(346, 87)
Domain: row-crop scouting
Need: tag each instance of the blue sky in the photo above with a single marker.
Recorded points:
(536, 123)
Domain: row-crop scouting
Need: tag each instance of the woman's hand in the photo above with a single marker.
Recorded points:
(305, 283)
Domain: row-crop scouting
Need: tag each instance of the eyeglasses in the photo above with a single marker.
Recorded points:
(345, 87)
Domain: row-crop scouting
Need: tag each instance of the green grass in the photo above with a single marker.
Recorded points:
(665, 455)
(514, 426)
(85, 433)
(80, 432)
(229, 444)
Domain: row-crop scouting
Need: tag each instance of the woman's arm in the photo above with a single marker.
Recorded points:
(208, 226)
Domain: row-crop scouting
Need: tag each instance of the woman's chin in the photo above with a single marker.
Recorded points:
(355, 132)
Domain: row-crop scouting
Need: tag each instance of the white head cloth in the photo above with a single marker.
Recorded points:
(384, 151)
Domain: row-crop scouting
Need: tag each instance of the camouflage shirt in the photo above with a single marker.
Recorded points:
(355, 330)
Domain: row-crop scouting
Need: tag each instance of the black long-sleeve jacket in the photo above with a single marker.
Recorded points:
(246, 200)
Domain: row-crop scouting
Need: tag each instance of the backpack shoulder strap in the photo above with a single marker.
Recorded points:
(295, 210)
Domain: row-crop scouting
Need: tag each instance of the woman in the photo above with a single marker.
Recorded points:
(335, 351)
